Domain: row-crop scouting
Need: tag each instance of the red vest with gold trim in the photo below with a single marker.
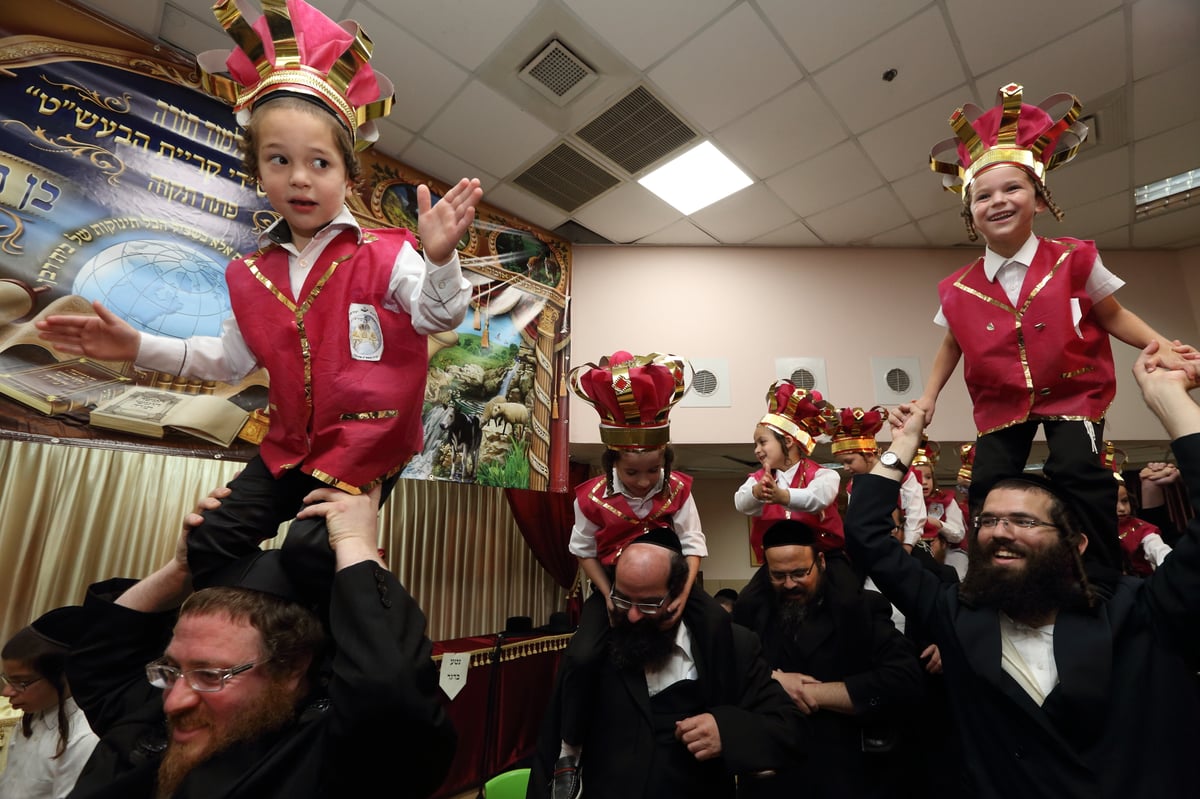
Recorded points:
(935, 508)
(1130, 532)
(1028, 361)
(827, 523)
(346, 421)
(619, 525)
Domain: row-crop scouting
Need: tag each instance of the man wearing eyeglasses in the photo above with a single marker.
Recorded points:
(834, 649)
(681, 706)
(238, 700)
(1057, 691)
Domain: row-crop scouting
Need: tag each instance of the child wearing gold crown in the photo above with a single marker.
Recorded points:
(1142, 544)
(1031, 319)
(345, 406)
(638, 492)
(790, 485)
(853, 446)
(945, 527)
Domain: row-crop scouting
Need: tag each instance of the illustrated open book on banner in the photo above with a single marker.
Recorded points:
(150, 412)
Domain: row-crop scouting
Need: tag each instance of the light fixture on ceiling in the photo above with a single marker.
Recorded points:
(696, 179)
(1166, 195)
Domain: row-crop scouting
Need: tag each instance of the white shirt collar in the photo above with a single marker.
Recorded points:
(619, 488)
(992, 261)
(280, 233)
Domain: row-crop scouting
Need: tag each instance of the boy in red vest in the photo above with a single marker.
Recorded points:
(791, 485)
(1031, 319)
(336, 314)
(854, 447)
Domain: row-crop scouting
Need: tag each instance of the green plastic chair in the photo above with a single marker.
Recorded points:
(509, 785)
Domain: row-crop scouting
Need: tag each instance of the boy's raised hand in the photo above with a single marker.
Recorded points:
(441, 225)
(104, 336)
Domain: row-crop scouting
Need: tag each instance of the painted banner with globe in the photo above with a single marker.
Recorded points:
(121, 182)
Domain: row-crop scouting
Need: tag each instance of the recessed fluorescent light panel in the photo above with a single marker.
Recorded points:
(1172, 192)
(696, 179)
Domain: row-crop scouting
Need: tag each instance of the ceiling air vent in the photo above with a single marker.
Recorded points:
(558, 74)
(566, 178)
(636, 131)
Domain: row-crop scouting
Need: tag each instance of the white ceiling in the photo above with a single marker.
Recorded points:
(792, 91)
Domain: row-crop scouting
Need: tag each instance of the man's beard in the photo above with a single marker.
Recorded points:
(793, 607)
(276, 708)
(640, 644)
(1047, 583)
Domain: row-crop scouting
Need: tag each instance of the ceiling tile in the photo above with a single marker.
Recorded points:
(425, 79)
(860, 218)
(1166, 154)
(1164, 33)
(520, 203)
(818, 39)
(681, 232)
(991, 33)
(904, 236)
(1087, 178)
(729, 68)
(644, 32)
(946, 229)
(901, 145)
(1114, 239)
(793, 235)
(393, 138)
(1092, 219)
(826, 180)
(743, 216)
(626, 214)
(922, 194)
(1088, 63)
(465, 31)
(857, 91)
(482, 127)
(1166, 99)
(1167, 229)
(809, 124)
(442, 165)
(195, 30)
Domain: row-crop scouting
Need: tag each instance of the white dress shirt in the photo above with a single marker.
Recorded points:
(436, 297)
(819, 494)
(679, 666)
(32, 771)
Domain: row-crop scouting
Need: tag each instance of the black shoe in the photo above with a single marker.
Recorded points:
(566, 783)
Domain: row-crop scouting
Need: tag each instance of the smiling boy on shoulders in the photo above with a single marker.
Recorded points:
(1031, 319)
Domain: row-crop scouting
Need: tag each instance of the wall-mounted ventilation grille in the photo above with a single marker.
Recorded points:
(896, 379)
(710, 384)
(804, 372)
(899, 381)
(566, 178)
(802, 378)
(558, 74)
(636, 131)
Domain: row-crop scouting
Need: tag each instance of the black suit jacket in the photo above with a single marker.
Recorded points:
(1123, 719)
(759, 726)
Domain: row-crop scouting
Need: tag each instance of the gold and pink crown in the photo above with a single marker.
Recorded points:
(634, 395)
(1114, 458)
(966, 455)
(928, 453)
(857, 429)
(799, 413)
(1038, 138)
(292, 47)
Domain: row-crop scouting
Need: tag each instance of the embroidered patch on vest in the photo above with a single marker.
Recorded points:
(366, 335)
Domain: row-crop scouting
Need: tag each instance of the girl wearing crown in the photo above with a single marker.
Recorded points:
(790, 485)
(638, 492)
(1031, 319)
(944, 525)
(345, 408)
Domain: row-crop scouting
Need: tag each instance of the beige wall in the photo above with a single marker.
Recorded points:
(754, 305)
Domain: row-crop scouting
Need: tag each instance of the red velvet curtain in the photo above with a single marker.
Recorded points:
(545, 520)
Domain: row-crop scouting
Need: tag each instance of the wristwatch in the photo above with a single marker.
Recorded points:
(892, 461)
